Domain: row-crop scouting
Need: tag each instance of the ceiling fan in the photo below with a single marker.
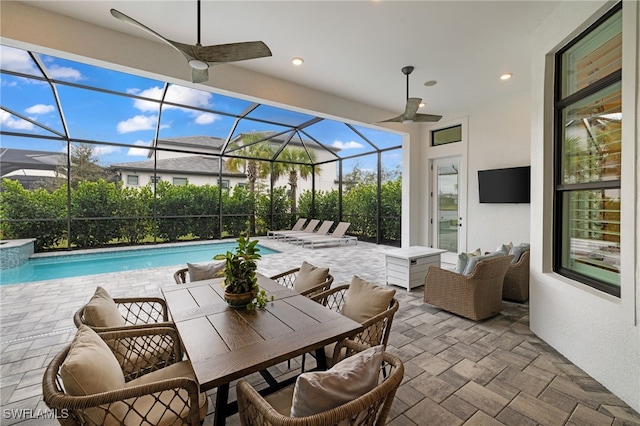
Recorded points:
(411, 109)
(201, 57)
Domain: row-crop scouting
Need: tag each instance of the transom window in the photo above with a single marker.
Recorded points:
(179, 181)
(588, 154)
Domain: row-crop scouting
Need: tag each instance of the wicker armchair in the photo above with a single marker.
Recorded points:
(288, 278)
(162, 390)
(376, 330)
(140, 312)
(370, 409)
(516, 280)
(476, 296)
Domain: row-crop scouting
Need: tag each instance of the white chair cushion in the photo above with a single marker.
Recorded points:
(347, 380)
(205, 271)
(309, 276)
(364, 300)
(102, 311)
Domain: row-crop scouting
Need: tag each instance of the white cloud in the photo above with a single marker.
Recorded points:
(17, 60)
(105, 150)
(139, 152)
(346, 145)
(65, 73)
(10, 122)
(206, 118)
(176, 94)
(139, 122)
(40, 109)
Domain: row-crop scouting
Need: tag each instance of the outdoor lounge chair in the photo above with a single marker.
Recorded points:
(311, 226)
(323, 230)
(337, 236)
(353, 407)
(297, 227)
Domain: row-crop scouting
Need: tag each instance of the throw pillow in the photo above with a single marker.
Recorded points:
(347, 380)
(205, 271)
(309, 276)
(90, 367)
(517, 251)
(102, 311)
(364, 300)
(463, 259)
(474, 261)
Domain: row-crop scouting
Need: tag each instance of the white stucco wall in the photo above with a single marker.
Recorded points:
(597, 332)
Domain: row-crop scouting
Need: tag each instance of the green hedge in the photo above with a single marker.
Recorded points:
(102, 214)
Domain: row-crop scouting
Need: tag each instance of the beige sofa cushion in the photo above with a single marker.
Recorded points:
(365, 300)
(205, 271)
(309, 277)
(349, 379)
(102, 311)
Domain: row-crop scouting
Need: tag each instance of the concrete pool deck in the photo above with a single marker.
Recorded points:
(457, 371)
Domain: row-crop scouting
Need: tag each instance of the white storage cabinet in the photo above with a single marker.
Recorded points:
(407, 267)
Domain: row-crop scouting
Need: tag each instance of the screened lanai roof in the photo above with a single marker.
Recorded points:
(51, 99)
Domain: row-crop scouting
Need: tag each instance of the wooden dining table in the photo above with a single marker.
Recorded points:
(225, 343)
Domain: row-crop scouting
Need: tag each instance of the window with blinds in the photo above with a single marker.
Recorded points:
(588, 127)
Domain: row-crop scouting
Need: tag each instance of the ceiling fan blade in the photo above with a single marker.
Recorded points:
(199, 76)
(426, 118)
(412, 107)
(231, 52)
(121, 16)
(398, 119)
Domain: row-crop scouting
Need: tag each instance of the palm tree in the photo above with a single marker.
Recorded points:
(253, 166)
(295, 162)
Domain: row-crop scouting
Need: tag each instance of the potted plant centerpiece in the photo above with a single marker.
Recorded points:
(240, 281)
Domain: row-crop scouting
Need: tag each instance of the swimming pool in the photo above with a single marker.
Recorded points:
(74, 265)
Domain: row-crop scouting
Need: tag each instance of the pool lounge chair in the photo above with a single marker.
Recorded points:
(297, 227)
(337, 236)
(323, 230)
(311, 226)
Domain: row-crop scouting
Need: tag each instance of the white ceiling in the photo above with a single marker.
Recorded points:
(355, 49)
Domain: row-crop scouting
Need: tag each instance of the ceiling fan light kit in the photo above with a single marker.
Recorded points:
(411, 108)
(201, 57)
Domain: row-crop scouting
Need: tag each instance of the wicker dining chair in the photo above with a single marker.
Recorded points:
(369, 409)
(140, 312)
(78, 384)
(375, 330)
(288, 280)
(180, 276)
(476, 296)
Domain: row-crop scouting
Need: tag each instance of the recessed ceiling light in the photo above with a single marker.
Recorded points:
(297, 61)
(430, 83)
(506, 76)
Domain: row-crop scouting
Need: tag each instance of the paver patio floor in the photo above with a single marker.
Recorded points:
(457, 371)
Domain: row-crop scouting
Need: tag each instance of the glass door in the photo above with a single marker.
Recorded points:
(447, 217)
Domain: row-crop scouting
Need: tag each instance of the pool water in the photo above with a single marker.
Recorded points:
(74, 265)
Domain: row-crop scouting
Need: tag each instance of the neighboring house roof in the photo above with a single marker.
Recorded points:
(193, 142)
(18, 159)
(193, 165)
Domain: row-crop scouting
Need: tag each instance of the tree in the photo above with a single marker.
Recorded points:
(248, 146)
(295, 163)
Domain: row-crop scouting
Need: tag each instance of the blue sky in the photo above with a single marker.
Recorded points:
(102, 116)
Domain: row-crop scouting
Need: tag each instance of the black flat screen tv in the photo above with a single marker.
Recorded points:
(511, 185)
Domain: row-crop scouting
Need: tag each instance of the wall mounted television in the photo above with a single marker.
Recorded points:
(510, 185)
